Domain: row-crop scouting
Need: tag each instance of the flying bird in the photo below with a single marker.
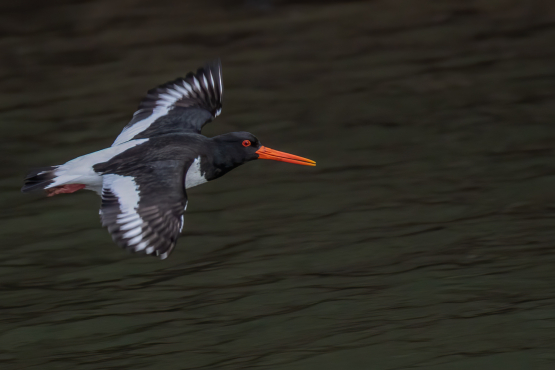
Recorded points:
(142, 178)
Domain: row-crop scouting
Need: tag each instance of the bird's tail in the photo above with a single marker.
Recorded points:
(39, 178)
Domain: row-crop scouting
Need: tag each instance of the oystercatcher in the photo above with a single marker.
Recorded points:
(142, 178)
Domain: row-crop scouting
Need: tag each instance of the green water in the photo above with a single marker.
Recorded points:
(424, 238)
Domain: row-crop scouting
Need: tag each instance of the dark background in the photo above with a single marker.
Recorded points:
(422, 240)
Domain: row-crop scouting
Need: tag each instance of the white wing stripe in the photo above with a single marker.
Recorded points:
(182, 90)
(133, 232)
(132, 224)
(130, 132)
(127, 191)
(212, 80)
(169, 96)
(141, 246)
(135, 240)
(221, 84)
(126, 217)
(174, 93)
(205, 81)
(196, 83)
(188, 87)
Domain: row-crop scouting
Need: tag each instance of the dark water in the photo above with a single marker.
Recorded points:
(424, 238)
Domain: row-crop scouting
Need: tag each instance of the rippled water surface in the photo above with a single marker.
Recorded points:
(424, 238)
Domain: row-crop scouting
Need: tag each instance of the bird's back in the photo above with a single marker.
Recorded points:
(180, 147)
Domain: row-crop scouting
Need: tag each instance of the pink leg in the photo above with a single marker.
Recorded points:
(64, 189)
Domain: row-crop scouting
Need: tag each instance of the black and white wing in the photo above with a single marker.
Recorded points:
(143, 207)
(183, 105)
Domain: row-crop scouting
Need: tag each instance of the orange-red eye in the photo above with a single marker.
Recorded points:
(246, 143)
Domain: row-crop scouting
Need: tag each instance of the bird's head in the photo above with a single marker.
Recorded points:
(246, 147)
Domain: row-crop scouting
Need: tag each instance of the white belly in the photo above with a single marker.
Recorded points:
(194, 175)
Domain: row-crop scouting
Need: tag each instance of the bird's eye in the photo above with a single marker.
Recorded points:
(246, 143)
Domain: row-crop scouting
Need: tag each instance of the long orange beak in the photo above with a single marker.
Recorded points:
(267, 153)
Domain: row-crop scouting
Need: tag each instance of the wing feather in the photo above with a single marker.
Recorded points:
(182, 105)
(141, 217)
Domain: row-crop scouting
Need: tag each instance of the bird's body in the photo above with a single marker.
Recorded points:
(142, 178)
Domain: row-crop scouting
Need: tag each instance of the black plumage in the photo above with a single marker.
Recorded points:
(142, 178)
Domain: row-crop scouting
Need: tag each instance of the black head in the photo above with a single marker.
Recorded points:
(237, 148)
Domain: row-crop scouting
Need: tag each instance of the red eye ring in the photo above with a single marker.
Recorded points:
(246, 143)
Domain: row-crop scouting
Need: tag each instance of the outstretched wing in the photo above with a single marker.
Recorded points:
(143, 207)
(183, 105)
